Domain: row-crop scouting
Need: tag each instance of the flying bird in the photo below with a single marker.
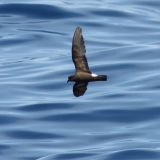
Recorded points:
(82, 71)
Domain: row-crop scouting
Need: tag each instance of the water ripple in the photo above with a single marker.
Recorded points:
(37, 11)
(119, 116)
(43, 107)
(135, 154)
(8, 119)
(112, 13)
(20, 134)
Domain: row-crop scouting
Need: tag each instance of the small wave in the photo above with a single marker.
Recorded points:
(111, 13)
(73, 155)
(37, 11)
(23, 134)
(42, 31)
(119, 116)
(13, 41)
(43, 107)
(135, 154)
(8, 119)
(4, 148)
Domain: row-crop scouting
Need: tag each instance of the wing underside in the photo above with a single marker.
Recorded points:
(79, 88)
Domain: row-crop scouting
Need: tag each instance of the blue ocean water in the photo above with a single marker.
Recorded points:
(41, 119)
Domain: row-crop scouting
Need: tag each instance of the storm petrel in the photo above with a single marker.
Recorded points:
(82, 71)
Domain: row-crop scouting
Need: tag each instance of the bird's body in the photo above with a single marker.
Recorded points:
(84, 76)
(82, 72)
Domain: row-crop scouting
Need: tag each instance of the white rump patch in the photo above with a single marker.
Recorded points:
(94, 75)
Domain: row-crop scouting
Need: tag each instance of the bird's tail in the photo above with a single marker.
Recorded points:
(101, 78)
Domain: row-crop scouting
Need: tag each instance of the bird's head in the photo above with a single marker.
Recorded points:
(71, 78)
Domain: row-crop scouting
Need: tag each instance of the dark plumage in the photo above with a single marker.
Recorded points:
(82, 72)
(80, 88)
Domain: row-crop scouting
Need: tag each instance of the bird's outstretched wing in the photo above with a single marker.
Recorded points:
(78, 51)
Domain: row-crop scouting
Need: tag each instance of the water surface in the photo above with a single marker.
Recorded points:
(40, 119)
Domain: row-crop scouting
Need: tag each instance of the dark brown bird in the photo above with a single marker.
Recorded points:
(82, 71)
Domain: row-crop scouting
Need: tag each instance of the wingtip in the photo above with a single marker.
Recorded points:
(78, 28)
(77, 36)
